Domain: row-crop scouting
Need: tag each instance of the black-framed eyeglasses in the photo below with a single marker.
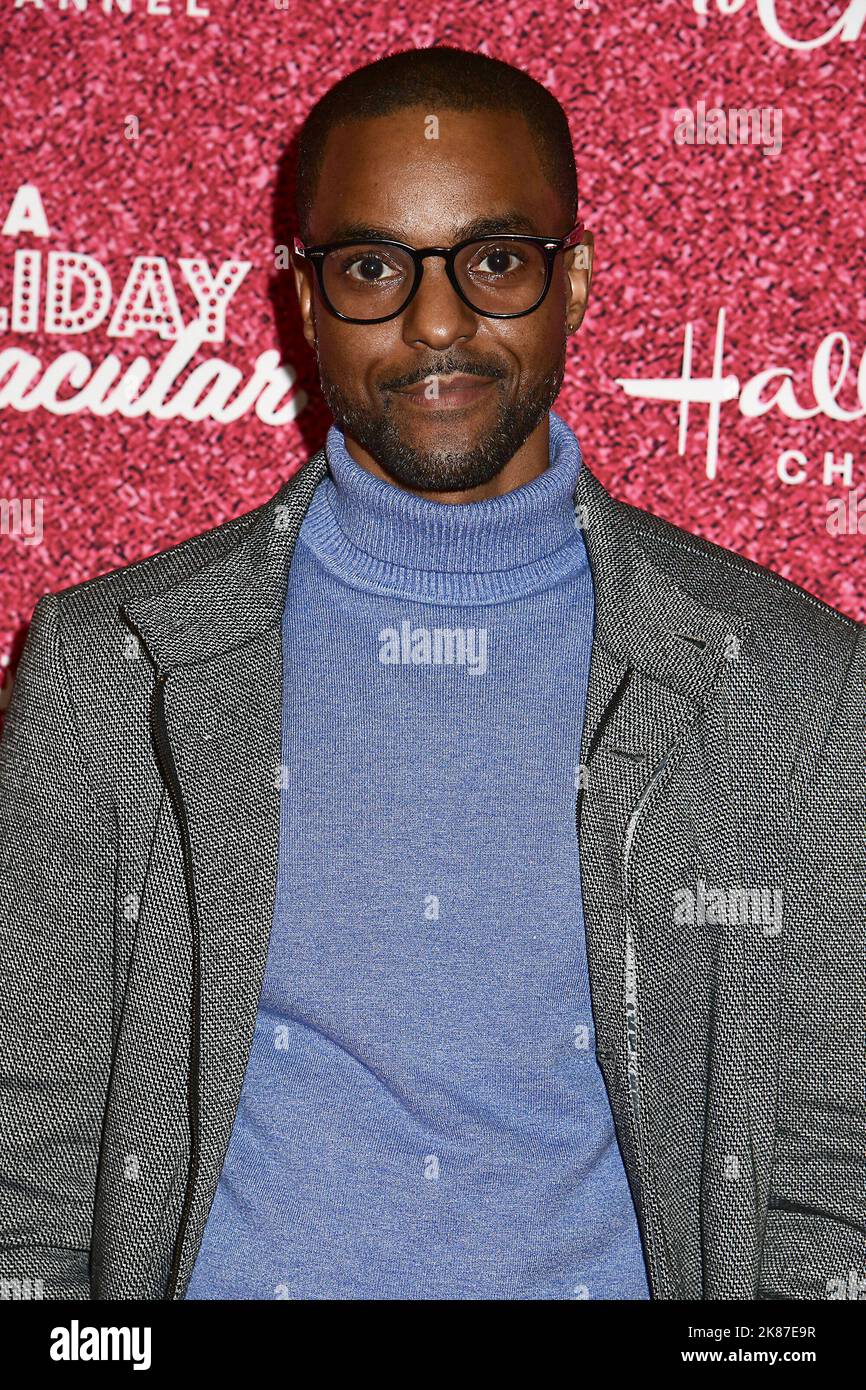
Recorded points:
(373, 281)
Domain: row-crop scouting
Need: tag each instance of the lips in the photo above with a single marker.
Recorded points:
(455, 390)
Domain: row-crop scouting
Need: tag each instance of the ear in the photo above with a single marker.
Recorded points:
(578, 261)
(304, 276)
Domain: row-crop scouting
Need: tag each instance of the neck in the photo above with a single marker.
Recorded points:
(384, 538)
(530, 460)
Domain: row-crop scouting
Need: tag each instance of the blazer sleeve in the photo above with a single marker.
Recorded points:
(56, 921)
(815, 1238)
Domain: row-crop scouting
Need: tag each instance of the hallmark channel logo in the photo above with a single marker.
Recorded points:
(847, 28)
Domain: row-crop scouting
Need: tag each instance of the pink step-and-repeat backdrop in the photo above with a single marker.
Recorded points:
(153, 376)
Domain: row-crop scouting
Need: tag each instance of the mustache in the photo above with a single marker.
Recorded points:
(443, 367)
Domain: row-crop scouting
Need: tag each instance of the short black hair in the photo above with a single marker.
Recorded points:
(452, 79)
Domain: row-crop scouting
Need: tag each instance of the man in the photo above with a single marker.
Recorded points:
(444, 880)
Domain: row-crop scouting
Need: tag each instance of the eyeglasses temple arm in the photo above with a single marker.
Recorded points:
(573, 236)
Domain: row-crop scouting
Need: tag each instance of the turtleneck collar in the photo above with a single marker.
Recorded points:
(378, 536)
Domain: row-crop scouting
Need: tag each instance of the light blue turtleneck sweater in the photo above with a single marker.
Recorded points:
(423, 1115)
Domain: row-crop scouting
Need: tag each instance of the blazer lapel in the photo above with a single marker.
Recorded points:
(659, 663)
(216, 637)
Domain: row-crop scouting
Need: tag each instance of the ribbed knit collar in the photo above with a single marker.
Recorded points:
(378, 536)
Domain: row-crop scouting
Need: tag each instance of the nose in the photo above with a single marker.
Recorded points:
(437, 316)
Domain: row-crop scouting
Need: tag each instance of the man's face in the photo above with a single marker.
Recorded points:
(384, 173)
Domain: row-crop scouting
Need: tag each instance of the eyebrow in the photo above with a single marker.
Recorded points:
(511, 220)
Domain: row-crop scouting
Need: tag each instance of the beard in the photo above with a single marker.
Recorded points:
(445, 469)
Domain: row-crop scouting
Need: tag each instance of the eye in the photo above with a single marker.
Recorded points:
(502, 260)
(371, 268)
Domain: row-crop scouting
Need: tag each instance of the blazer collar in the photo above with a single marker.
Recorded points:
(643, 618)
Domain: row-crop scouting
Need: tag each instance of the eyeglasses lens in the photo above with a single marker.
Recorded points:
(370, 281)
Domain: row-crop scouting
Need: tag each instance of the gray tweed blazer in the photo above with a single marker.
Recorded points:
(720, 826)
